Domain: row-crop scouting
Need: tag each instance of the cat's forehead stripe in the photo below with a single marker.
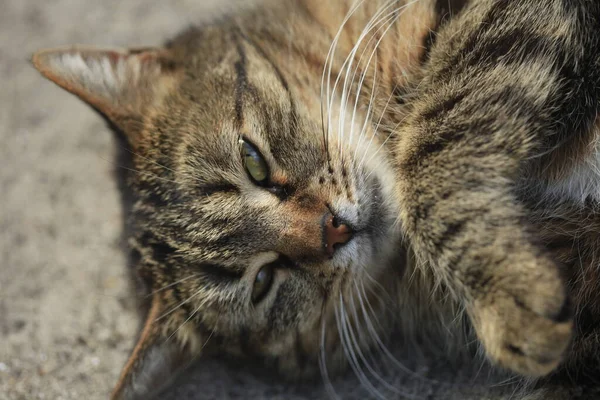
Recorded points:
(274, 117)
(241, 84)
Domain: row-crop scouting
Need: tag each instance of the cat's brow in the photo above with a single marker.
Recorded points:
(213, 188)
(218, 275)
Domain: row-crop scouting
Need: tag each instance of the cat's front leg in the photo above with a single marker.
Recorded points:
(463, 221)
(503, 84)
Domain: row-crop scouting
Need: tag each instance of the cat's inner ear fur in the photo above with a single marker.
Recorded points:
(121, 84)
(163, 349)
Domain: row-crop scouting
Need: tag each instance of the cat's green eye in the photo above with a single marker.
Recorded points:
(262, 282)
(255, 163)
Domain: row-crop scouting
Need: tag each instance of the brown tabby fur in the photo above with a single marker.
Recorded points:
(478, 109)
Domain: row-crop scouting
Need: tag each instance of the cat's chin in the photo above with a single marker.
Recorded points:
(370, 255)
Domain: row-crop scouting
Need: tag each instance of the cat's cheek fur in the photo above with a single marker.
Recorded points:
(582, 181)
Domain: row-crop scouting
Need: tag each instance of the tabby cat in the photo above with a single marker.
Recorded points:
(301, 163)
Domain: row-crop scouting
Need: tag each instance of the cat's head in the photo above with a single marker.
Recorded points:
(262, 227)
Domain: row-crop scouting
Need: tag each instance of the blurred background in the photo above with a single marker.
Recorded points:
(67, 315)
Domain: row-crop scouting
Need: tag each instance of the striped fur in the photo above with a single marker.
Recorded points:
(453, 136)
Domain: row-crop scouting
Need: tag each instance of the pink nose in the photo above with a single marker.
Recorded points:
(336, 234)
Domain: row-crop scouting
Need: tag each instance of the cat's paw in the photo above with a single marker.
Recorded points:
(525, 324)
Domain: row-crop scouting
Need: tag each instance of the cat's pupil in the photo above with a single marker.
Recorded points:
(262, 283)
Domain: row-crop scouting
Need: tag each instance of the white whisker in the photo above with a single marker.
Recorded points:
(377, 126)
(202, 304)
(381, 147)
(391, 17)
(351, 57)
(382, 346)
(170, 285)
(323, 363)
(327, 70)
(351, 354)
(147, 159)
(179, 305)
(377, 377)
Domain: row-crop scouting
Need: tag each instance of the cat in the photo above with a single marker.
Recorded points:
(299, 165)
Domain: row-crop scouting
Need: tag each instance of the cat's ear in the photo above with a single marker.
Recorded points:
(161, 352)
(121, 84)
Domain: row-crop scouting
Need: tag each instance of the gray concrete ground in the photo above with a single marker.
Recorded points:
(67, 315)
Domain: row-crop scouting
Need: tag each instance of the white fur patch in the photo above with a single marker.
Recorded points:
(97, 74)
(94, 74)
(583, 181)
